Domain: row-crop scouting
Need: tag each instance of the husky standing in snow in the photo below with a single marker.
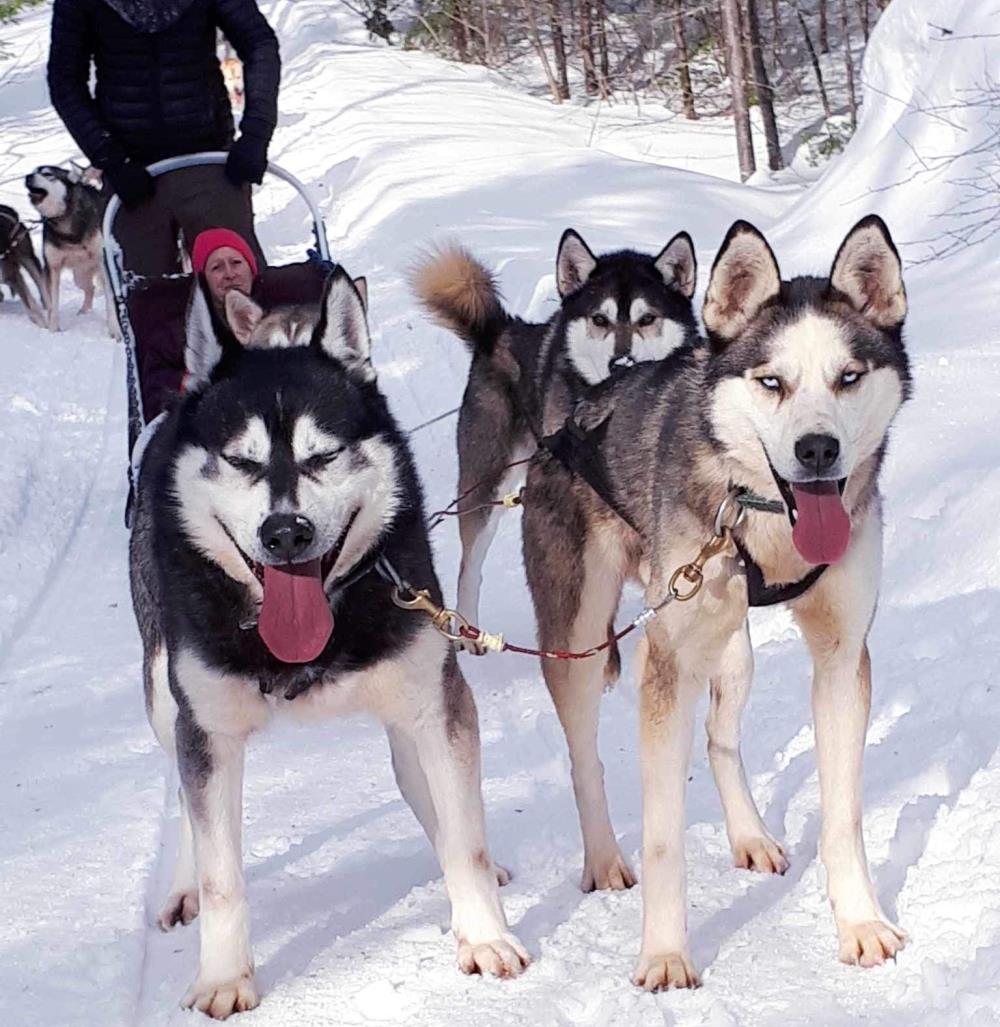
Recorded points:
(269, 504)
(71, 210)
(789, 404)
(616, 309)
(17, 260)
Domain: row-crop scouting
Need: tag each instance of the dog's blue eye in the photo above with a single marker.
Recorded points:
(771, 384)
(646, 320)
(600, 321)
(850, 378)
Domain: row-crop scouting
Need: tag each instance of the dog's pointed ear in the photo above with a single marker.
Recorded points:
(744, 277)
(868, 271)
(342, 331)
(361, 284)
(242, 315)
(574, 263)
(202, 349)
(677, 263)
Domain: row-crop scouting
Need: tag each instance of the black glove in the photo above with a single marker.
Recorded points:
(131, 181)
(247, 159)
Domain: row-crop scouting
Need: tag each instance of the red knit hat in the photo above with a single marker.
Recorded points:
(207, 242)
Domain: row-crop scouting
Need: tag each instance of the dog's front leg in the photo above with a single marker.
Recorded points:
(669, 694)
(211, 770)
(752, 845)
(53, 273)
(447, 743)
(834, 617)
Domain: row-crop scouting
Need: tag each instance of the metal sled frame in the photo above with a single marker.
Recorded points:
(121, 281)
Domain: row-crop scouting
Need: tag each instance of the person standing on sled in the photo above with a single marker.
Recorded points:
(160, 93)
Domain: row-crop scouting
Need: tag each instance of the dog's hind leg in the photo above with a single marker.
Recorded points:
(20, 288)
(181, 906)
(834, 616)
(576, 585)
(752, 845)
(84, 279)
(490, 437)
(446, 737)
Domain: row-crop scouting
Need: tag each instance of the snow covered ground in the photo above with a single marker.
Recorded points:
(349, 913)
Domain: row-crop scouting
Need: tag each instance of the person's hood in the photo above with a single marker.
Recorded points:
(150, 15)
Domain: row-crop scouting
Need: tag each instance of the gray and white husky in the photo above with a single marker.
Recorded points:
(268, 501)
(71, 205)
(616, 309)
(790, 402)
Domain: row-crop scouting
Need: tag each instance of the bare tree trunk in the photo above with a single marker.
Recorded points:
(863, 16)
(528, 7)
(845, 31)
(815, 61)
(775, 32)
(603, 62)
(559, 47)
(586, 47)
(459, 32)
(737, 87)
(762, 86)
(824, 33)
(683, 60)
(487, 45)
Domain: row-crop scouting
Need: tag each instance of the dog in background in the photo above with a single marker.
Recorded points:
(17, 260)
(71, 209)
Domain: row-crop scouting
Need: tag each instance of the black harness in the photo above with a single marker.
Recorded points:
(578, 450)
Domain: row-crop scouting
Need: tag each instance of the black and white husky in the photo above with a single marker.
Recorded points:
(71, 205)
(616, 309)
(265, 501)
(789, 401)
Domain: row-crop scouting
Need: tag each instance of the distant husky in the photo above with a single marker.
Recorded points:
(289, 325)
(71, 207)
(269, 503)
(616, 310)
(17, 259)
(790, 403)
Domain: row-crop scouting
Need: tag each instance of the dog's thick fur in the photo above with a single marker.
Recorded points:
(71, 205)
(277, 459)
(616, 309)
(17, 259)
(786, 364)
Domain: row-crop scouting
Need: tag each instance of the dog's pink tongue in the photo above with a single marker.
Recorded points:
(823, 529)
(295, 619)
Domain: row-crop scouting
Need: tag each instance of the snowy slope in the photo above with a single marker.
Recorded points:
(349, 913)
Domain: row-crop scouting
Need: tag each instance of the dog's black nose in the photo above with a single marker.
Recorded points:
(286, 536)
(817, 453)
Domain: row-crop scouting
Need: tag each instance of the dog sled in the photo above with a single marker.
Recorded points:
(151, 309)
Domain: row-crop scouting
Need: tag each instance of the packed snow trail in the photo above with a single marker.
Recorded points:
(348, 910)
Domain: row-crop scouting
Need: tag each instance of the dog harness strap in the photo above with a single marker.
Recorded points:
(574, 448)
(759, 593)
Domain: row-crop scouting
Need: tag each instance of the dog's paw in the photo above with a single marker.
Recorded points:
(503, 875)
(870, 943)
(660, 972)
(611, 873)
(180, 908)
(761, 854)
(503, 957)
(220, 1001)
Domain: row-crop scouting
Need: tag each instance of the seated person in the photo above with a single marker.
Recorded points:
(223, 263)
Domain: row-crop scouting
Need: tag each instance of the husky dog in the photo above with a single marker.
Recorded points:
(17, 259)
(289, 325)
(71, 207)
(617, 309)
(790, 401)
(269, 503)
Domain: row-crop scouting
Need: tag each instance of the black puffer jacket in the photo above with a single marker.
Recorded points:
(160, 91)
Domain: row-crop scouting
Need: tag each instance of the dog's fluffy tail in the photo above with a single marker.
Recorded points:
(461, 295)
